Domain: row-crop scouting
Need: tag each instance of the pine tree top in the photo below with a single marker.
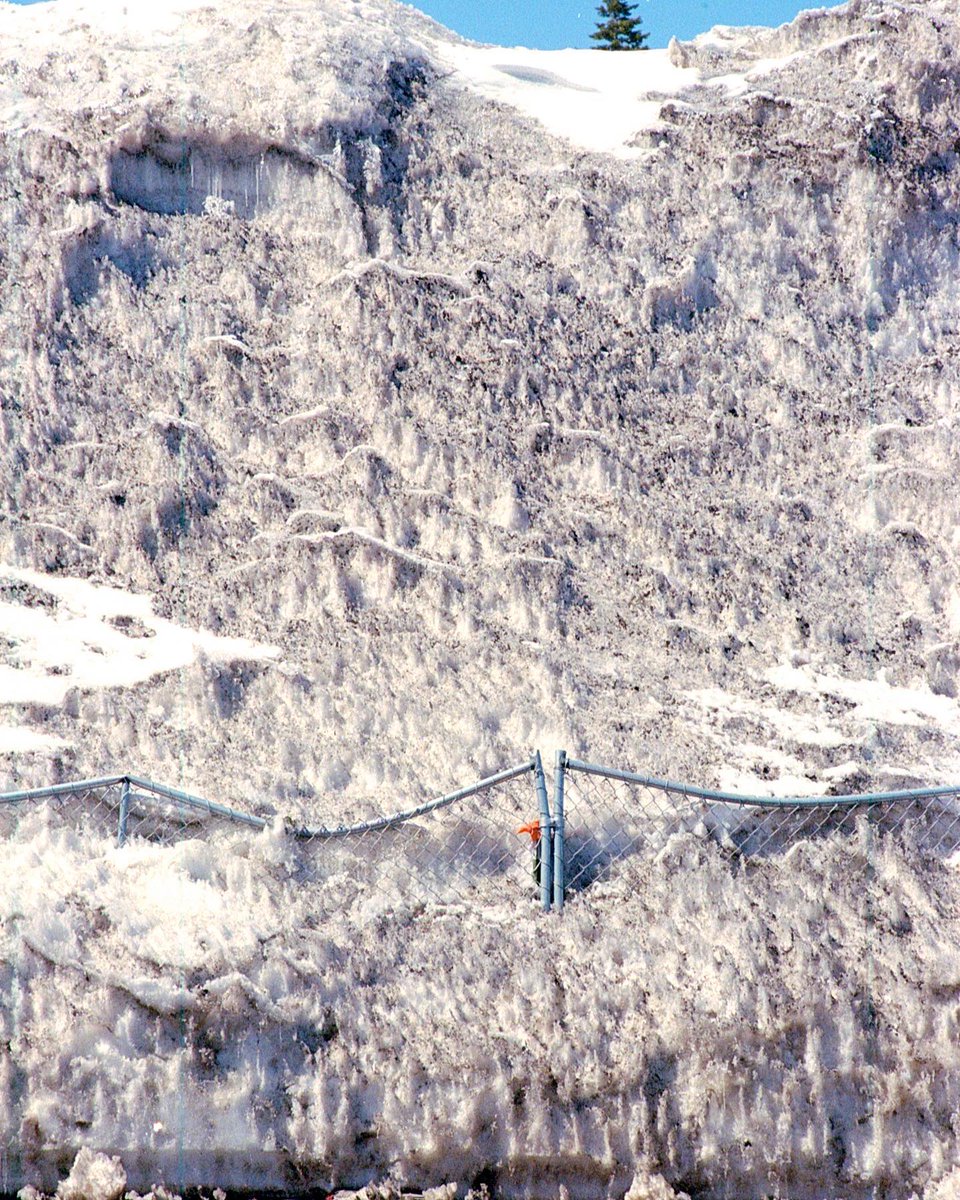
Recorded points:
(618, 28)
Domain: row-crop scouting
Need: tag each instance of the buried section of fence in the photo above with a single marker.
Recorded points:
(499, 837)
(124, 807)
(478, 839)
(92, 804)
(160, 813)
(604, 815)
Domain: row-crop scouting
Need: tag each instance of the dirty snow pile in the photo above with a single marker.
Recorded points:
(375, 407)
(314, 336)
(209, 1015)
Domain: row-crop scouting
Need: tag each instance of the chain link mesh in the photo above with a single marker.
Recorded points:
(154, 815)
(163, 820)
(441, 851)
(468, 841)
(609, 819)
(94, 808)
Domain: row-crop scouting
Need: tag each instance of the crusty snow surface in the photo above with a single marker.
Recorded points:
(375, 407)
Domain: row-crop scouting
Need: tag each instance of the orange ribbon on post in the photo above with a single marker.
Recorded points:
(532, 830)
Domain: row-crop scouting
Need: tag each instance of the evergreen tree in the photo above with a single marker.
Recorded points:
(618, 28)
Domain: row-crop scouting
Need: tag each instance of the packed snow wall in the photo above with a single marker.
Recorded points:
(696, 1023)
(496, 440)
(360, 432)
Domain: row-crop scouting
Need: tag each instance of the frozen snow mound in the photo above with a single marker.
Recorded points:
(208, 1016)
(93, 1177)
(322, 341)
(331, 352)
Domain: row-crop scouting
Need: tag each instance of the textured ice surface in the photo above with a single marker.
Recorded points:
(309, 341)
(499, 441)
(207, 1014)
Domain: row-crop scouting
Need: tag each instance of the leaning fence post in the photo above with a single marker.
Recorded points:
(124, 812)
(559, 868)
(545, 843)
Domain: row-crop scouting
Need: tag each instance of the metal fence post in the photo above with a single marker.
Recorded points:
(124, 812)
(559, 879)
(545, 845)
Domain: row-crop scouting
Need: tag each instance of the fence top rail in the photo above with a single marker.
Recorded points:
(79, 786)
(864, 799)
(71, 788)
(197, 802)
(399, 818)
(210, 807)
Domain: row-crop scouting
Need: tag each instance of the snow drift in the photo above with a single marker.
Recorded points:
(373, 407)
(208, 1016)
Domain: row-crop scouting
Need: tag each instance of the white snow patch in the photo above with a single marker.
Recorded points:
(789, 780)
(119, 18)
(17, 739)
(91, 636)
(874, 699)
(795, 726)
(93, 1176)
(597, 100)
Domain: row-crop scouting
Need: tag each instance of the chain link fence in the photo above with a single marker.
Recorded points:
(123, 807)
(466, 842)
(602, 816)
(501, 835)
(479, 838)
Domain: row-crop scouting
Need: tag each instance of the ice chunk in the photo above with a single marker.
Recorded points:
(93, 1176)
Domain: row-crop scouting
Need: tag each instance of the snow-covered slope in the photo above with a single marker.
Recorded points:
(428, 402)
(206, 1015)
(499, 440)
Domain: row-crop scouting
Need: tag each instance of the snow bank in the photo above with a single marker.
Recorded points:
(695, 1022)
(596, 100)
(604, 102)
(497, 443)
(314, 346)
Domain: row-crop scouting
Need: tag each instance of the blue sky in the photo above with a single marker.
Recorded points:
(550, 24)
